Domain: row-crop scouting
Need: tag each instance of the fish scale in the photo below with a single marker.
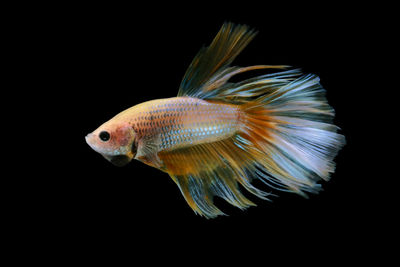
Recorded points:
(184, 121)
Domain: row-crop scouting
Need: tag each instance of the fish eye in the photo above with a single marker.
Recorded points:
(104, 136)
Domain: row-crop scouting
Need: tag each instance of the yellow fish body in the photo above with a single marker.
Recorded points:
(215, 134)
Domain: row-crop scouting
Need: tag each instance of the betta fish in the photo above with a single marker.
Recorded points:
(216, 134)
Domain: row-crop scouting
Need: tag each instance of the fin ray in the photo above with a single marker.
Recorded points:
(227, 44)
(210, 68)
(287, 140)
(214, 169)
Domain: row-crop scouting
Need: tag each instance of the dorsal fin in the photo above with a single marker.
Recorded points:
(210, 68)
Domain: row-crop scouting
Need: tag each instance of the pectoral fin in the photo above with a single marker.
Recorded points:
(147, 151)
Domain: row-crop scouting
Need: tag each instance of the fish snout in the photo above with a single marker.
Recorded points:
(87, 137)
(89, 140)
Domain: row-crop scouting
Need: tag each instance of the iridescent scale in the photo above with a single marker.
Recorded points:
(184, 121)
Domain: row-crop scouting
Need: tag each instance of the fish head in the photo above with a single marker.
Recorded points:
(114, 141)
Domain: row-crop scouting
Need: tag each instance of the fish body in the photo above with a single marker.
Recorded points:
(214, 135)
(178, 122)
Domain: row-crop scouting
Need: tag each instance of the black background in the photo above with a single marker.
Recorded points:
(101, 60)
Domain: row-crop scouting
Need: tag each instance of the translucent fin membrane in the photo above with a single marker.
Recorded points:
(286, 140)
(227, 44)
(286, 137)
(210, 68)
(292, 126)
(213, 169)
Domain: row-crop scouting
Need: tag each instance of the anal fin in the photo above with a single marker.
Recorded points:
(208, 170)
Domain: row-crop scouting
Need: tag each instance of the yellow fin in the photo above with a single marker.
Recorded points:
(210, 69)
(227, 44)
(213, 169)
(286, 140)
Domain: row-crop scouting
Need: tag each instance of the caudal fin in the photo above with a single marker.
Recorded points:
(287, 139)
(290, 129)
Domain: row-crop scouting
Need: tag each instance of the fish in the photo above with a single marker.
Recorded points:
(216, 134)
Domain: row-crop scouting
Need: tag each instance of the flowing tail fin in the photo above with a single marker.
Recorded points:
(286, 140)
(290, 129)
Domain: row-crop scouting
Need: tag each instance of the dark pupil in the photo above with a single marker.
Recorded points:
(104, 136)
